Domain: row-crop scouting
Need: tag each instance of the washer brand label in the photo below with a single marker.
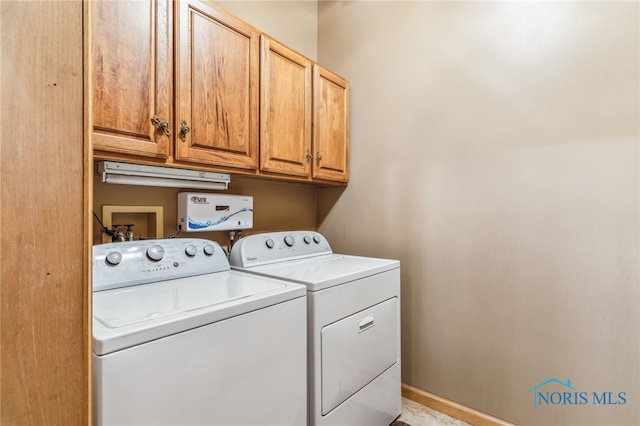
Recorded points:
(199, 200)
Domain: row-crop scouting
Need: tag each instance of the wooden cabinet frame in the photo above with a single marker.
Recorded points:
(46, 173)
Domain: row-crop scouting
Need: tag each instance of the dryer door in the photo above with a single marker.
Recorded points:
(356, 350)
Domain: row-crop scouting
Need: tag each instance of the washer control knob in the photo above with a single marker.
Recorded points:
(269, 243)
(306, 239)
(190, 250)
(155, 252)
(113, 258)
(316, 239)
(289, 241)
(209, 249)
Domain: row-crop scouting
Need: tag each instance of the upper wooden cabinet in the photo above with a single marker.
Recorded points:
(285, 110)
(216, 88)
(304, 127)
(132, 77)
(184, 84)
(330, 126)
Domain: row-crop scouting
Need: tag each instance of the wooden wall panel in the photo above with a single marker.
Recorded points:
(44, 334)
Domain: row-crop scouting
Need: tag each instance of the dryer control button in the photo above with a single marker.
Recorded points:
(306, 239)
(316, 239)
(288, 240)
(269, 243)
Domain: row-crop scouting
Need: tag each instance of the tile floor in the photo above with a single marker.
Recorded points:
(418, 415)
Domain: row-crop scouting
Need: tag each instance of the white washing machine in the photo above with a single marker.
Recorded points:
(180, 339)
(354, 323)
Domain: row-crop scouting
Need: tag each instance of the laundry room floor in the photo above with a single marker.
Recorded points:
(415, 414)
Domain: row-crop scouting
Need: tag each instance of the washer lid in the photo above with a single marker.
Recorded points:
(128, 316)
(325, 271)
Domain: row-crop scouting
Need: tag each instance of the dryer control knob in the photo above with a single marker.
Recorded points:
(288, 240)
(155, 253)
(269, 243)
(316, 239)
(113, 258)
(190, 250)
(209, 249)
(306, 239)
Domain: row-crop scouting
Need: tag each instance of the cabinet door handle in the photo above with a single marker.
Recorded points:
(184, 129)
(161, 125)
(309, 156)
(318, 158)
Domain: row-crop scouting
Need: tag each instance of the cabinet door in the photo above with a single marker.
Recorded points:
(330, 126)
(217, 88)
(285, 110)
(132, 82)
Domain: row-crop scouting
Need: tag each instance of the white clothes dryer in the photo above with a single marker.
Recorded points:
(354, 323)
(180, 339)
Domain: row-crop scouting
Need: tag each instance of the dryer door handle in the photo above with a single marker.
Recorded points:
(366, 323)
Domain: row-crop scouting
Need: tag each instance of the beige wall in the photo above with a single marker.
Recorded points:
(278, 205)
(294, 23)
(495, 153)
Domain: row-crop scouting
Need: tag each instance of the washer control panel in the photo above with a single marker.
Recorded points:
(139, 262)
(261, 249)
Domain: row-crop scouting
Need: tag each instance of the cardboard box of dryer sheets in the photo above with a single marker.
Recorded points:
(199, 212)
